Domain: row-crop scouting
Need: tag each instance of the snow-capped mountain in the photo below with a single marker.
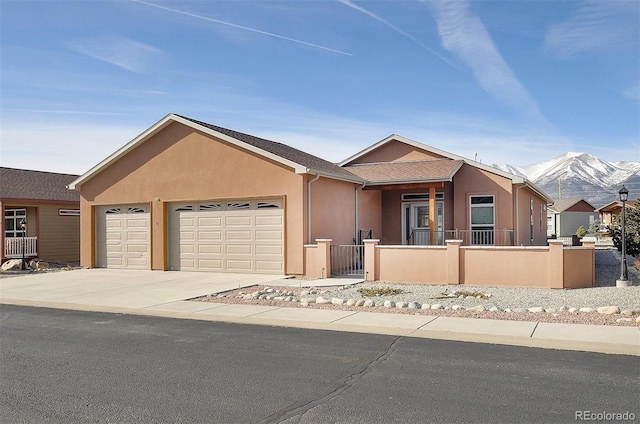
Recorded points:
(581, 175)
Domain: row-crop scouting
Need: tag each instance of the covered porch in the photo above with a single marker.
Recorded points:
(19, 238)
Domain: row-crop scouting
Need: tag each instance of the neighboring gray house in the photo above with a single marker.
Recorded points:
(565, 216)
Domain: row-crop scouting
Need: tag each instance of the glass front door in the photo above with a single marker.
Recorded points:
(415, 222)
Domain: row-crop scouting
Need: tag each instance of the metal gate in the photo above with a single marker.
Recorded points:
(347, 260)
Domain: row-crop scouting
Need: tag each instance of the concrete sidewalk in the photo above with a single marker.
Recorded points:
(166, 294)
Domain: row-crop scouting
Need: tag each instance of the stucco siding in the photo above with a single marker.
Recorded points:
(395, 151)
(180, 164)
(333, 210)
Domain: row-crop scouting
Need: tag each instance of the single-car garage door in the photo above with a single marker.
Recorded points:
(227, 236)
(122, 237)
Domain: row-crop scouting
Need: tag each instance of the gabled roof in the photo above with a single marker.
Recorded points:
(23, 184)
(301, 162)
(515, 179)
(431, 170)
(617, 204)
(561, 205)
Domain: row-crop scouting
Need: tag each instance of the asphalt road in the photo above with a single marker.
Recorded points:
(60, 366)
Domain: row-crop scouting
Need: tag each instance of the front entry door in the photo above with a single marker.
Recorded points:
(415, 223)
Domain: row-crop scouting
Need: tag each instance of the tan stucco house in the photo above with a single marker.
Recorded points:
(187, 195)
(49, 211)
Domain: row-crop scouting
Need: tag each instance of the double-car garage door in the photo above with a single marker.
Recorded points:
(224, 236)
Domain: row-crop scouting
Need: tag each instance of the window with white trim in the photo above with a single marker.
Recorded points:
(12, 220)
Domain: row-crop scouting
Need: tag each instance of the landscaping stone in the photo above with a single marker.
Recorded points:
(573, 310)
(414, 305)
(12, 265)
(337, 301)
(630, 312)
(351, 302)
(389, 304)
(638, 319)
(437, 306)
(520, 310)
(368, 303)
(401, 305)
(457, 307)
(321, 300)
(536, 309)
(624, 319)
(360, 302)
(477, 308)
(425, 306)
(586, 310)
(608, 310)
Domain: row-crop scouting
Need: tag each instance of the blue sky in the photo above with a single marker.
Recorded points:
(515, 82)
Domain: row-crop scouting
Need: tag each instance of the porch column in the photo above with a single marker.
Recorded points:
(370, 259)
(432, 215)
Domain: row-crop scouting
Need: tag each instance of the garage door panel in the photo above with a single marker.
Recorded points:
(215, 222)
(238, 265)
(237, 221)
(268, 221)
(215, 249)
(269, 249)
(238, 235)
(268, 235)
(210, 264)
(209, 235)
(269, 266)
(238, 249)
(227, 236)
(122, 237)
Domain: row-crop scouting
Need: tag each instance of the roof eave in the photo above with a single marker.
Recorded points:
(164, 122)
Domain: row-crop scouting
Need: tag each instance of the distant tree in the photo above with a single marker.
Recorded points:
(632, 231)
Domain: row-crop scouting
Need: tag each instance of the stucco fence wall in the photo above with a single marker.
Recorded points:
(553, 266)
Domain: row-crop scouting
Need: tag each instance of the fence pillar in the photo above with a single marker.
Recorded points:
(370, 259)
(590, 243)
(453, 261)
(556, 264)
(324, 257)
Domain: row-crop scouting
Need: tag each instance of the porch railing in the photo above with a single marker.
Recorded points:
(422, 237)
(13, 247)
(347, 260)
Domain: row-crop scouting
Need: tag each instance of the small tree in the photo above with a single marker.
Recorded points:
(632, 222)
(581, 231)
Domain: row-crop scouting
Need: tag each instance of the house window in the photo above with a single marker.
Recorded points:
(482, 219)
(531, 219)
(12, 220)
(69, 212)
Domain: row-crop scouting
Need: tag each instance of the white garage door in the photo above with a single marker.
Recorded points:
(227, 236)
(122, 237)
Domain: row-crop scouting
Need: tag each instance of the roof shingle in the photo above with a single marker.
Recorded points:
(310, 161)
(36, 185)
(410, 171)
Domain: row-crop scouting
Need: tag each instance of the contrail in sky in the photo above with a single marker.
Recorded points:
(270, 34)
(396, 29)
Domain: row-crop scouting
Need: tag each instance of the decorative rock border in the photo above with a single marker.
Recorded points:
(314, 296)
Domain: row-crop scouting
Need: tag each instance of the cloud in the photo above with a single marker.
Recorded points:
(257, 31)
(396, 29)
(598, 26)
(465, 35)
(122, 52)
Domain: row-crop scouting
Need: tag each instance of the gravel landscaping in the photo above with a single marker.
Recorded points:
(604, 304)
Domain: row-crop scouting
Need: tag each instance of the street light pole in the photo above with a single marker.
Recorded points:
(624, 276)
(23, 225)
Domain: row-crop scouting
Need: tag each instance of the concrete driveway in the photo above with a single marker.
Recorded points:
(122, 288)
